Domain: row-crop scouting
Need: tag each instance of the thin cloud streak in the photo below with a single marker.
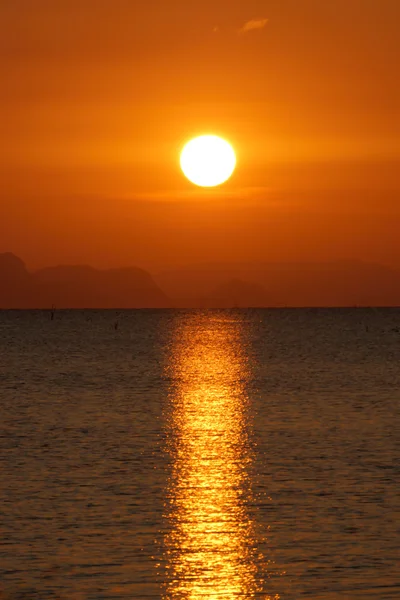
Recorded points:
(253, 25)
(249, 194)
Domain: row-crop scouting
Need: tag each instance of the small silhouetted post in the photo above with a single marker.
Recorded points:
(52, 313)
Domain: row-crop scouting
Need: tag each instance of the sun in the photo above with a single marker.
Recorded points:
(208, 160)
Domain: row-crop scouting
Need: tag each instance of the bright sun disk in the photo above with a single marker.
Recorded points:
(208, 160)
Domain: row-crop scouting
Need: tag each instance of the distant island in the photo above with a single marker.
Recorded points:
(217, 285)
(77, 286)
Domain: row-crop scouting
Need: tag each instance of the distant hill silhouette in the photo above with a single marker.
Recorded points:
(76, 287)
(13, 268)
(15, 282)
(339, 283)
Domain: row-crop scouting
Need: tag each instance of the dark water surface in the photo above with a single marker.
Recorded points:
(200, 454)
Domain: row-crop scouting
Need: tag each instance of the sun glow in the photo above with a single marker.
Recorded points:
(208, 160)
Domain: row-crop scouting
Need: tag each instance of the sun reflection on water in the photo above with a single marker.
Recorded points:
(210, 546)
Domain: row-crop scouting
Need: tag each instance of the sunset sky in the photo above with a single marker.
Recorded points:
(98, 97)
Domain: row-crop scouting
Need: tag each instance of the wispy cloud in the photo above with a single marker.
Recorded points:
(238, 195)
(253, 24)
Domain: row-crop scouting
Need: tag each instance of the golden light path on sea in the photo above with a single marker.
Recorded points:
(210, 547)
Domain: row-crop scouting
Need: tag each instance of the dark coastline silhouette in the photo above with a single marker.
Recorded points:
(339, 283)
(217, 285)
(76, 287)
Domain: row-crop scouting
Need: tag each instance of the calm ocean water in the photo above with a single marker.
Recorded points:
(200, 454)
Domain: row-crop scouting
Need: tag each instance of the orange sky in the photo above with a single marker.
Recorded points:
(99, 95)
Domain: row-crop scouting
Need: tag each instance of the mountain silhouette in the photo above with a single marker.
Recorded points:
(13, 269)
(15, 282)
(76, 287)
(218, 285)
(336, 283)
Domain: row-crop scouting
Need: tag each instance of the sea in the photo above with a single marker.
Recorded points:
(200, 454)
